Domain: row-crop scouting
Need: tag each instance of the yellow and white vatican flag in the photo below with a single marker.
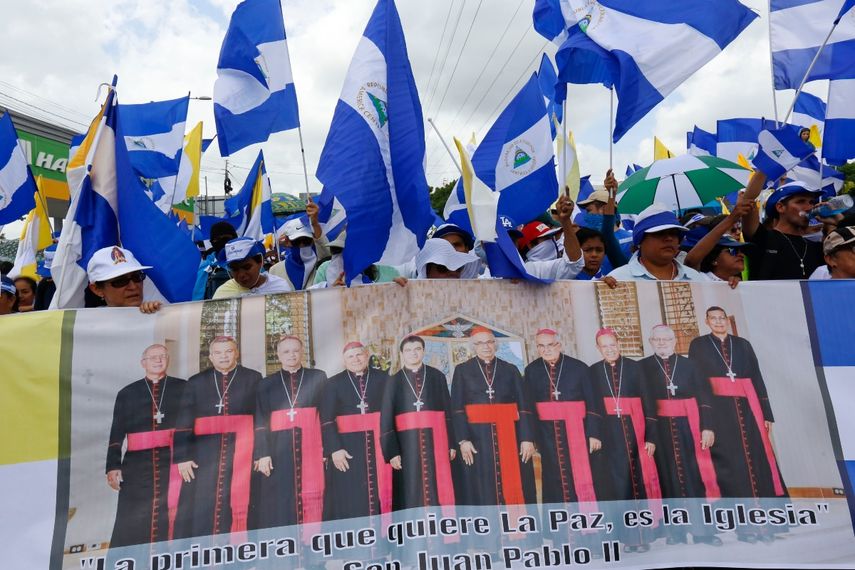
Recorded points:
(35, 236)
(481, 202)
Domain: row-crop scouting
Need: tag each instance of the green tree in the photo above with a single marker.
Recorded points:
(849, 183)
(439, 196)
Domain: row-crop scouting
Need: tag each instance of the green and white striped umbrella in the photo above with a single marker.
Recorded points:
(680, 183)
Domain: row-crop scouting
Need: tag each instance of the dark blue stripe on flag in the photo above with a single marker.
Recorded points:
(834, 313)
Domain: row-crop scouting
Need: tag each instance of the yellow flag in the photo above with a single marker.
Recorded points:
(35, 236)
(660, 150)
(815, 138)
(572, 178)
(193, 150)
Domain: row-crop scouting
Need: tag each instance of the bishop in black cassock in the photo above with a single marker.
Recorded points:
(625, 470)
(416, 420)
(213, 444)
(288, 449)
(143, 417)
(358, 481)
(684, 431)
(743, 455)
(569, 421)
(492, 416)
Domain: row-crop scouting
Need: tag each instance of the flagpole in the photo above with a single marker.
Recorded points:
(611, 126)
(565, 141)
(809, 69)
(772, 69)
(305, 169)
(193, 223)
(447, 149)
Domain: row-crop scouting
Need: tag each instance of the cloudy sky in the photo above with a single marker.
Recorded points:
(468, 57)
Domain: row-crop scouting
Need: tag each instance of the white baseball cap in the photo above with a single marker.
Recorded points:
(296, 229)
(110, 262)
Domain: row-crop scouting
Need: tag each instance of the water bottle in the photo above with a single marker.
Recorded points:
(836, 205)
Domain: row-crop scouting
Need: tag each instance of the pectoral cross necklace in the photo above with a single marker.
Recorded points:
(362, 405)
(609, 379)
(418, 403)
(554, 385)
(291, 403)
(159, 415)
(671, 387)
(220, 397)
(729, 363)
(489, 391)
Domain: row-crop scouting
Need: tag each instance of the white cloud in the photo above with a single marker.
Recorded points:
(161, 49)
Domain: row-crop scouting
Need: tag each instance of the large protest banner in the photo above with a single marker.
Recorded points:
(439, 426)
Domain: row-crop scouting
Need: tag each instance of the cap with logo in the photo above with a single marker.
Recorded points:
(110, 262)
(534, 230)
(239, 249)
(296, 229)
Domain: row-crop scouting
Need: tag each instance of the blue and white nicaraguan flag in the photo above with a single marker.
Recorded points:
(250, 211)
(155, 135)
(797, 30)
(838, 142)
(601, 42)
(515, 159)
(373, 158)
(701, 143)
(17, 186)
(780, 151)
(809, 111)
(739, 136)
(254, 95)
(107, 195)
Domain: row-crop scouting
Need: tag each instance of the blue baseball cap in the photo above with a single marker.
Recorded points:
(696, 234)
(446, 229)
(786, 191)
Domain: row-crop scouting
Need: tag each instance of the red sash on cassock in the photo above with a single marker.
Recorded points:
(504, 417)
(573, 416)
(242, 427)
(144, 440)
(648, 465)
(311, 464)
(688, 408)
(353, 423)
(434, 421)
(744, 388)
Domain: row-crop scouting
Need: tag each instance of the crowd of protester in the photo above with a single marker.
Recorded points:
(780, 238)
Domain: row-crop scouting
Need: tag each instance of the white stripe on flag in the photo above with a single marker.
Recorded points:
(806, 26)
(841, 100)
(369, 67)
(536, 142)
(650, 44)
(167, 144)
(14, 174)
(275, 64)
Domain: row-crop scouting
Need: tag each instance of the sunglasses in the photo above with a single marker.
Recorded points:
(734, 251)
(119, 282)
